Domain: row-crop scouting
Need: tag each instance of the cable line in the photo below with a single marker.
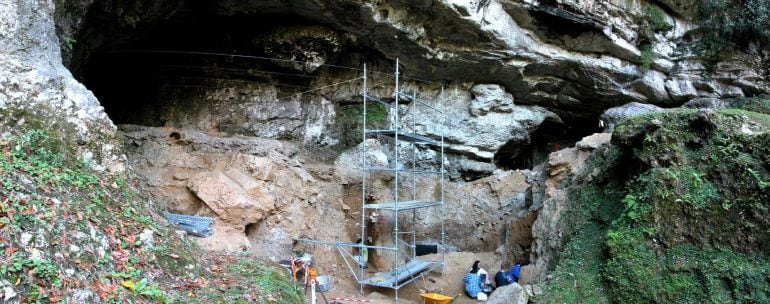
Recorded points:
(252, 57)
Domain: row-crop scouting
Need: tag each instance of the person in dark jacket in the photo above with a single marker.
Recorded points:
(501, 278)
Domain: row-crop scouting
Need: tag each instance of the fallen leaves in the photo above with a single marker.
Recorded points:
(104, 290)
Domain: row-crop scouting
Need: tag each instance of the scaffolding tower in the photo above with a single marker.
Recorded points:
(406, 265)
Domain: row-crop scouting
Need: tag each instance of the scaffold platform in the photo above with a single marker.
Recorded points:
(402, 275)
(403, 135)
(405, 205)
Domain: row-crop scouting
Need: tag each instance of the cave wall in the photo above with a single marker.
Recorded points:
(38, 92)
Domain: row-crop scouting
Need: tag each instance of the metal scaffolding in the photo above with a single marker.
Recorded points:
(406, 265)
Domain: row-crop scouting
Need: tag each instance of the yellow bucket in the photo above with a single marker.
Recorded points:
(435, 298)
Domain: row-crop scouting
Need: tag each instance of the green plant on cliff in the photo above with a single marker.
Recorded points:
(731, 25)
(647, 56)
(69, 42)
(699, 191)
(591, 209)
(759, 103)
(349, 123)
(654, 20)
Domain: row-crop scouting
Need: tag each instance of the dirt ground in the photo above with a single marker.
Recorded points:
(448, 283)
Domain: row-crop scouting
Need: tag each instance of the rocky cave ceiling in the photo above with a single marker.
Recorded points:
(149, 61)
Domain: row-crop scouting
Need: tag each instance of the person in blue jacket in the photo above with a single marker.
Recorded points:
(515, 273)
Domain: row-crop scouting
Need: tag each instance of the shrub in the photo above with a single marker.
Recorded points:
(647, 57)
(654, 20)
(348, 121)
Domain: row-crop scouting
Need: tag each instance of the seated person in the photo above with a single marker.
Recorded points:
(501, 278)
(515, 273)
(486, 286)
(472, 284)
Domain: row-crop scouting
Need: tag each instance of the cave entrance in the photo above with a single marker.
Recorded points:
(158, 69)
(550, 136)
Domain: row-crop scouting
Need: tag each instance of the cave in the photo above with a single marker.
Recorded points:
(156, 70)
(550, 136)
(159, 72)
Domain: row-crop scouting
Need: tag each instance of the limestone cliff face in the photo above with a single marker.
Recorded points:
(573, 55)
(37, 91)
(497, 59)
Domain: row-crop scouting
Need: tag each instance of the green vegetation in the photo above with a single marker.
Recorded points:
(272, 280)
(698, 193)
(759, 104)
(654, 20)
(69, 42)
(648, 56)
(577, 278)
(693, 221)
(730, 25)
(348, 121)
(65, 227)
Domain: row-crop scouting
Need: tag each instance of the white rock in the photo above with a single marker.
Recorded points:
(681, 89)
(509, 294)
(147, 238)
(25, 239)
(375, 156)
(613, 115)
(74, 248)
(490, 98)
(7, 293)
(82, 296)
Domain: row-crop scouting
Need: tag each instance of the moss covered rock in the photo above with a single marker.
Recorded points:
(694, 225)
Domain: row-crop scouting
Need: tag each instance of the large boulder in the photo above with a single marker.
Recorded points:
(236, 198)
(478, 123)
(259, 193)
(375, 156)
(509, 294)
(613, 115)
(707, 103)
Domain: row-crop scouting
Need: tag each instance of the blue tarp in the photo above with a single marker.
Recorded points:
(199, 226)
